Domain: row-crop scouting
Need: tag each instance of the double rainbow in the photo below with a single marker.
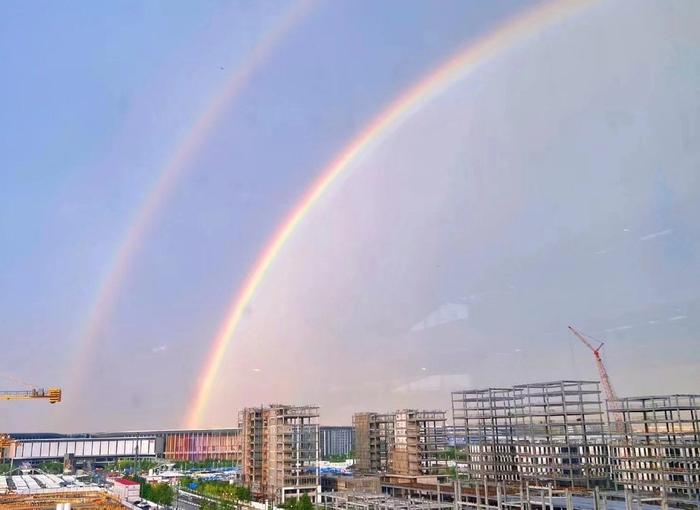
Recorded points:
(417, 96)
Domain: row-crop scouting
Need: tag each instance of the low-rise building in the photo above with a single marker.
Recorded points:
(126, 490)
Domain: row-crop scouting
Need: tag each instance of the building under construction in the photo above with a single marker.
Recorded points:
(655, 444)
(419, 443)
(408, 442)
(281, 451)
(550, 432)
(374, 440)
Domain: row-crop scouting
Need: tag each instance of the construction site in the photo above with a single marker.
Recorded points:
(87, 500)
(564, 445)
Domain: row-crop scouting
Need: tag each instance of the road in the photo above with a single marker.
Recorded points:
(186, 502)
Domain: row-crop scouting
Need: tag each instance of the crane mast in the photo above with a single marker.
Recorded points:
(610, 395)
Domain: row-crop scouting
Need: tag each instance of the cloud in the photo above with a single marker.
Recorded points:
(159, 348)
(677, 318)
(656, 234)
(618, 328)
(448, 312)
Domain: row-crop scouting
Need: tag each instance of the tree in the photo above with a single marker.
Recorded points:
(54, 468)
(304, 503)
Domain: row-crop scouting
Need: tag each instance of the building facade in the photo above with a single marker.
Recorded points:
(281, 451)
(336, 441)
(107, 447)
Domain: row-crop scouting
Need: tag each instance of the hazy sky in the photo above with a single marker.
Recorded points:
(558, 184)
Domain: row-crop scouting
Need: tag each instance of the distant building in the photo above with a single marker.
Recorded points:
(107, 447)
(336, 441)
(281, 451)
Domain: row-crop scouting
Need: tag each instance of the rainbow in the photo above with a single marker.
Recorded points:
(451, 71)
(171, 174)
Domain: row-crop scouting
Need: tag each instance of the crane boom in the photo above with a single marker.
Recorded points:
(53, 395)
(608, 389)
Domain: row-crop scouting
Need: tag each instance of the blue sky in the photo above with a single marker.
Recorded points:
(580, 141)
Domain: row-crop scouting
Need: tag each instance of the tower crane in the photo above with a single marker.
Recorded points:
(53, 395)
(610, 395)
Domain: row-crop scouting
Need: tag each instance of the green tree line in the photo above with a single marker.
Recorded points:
(226, 494)
(160, 493)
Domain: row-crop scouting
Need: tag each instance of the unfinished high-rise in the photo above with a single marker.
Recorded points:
(409, 442)
(374, 440)
(655, 444)
(551, 432)
(419, 443)
(281, 451)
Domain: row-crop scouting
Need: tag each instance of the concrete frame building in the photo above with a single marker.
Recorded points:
(551, 432)
(419, 441)
(655, 444)
(408, 442)
(281, 451)
(374, 440)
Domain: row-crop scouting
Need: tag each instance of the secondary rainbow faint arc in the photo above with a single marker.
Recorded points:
(448, 73)
(169, 177)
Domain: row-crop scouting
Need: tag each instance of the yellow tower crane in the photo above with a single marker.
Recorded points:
(53, 395)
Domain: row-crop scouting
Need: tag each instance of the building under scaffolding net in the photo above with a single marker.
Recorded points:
(552, 433)
(657, 449)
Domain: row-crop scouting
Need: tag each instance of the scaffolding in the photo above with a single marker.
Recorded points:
(658, 450)
(549, 432)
